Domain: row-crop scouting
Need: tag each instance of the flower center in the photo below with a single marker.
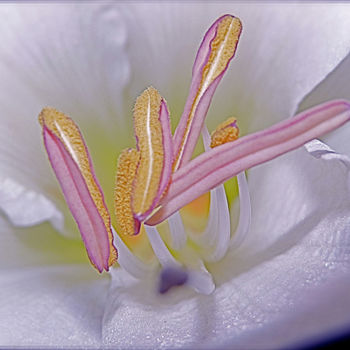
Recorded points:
(158, 178)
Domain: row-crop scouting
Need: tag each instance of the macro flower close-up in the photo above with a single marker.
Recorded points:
(174, 175)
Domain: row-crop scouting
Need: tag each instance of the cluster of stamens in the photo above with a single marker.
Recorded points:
(158, 177)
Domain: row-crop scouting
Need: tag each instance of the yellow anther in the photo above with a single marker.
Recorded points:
(225, 132)
(68, 133)
(126, 170)
(223, 48)
(148, 131)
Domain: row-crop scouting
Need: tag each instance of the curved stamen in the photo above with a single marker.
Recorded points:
(245, 212)
(214, 55)
(198, 277)
(217, 232)
(128, 261)
(160, 249)
(201, 281)
(208, 237)
(223, 228)
(221, 163)
(177, 231)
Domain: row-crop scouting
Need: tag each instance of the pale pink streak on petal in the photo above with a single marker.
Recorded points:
(79, 200)
(223, 162)
(183, 152)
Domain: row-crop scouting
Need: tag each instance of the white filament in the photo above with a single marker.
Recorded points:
(214, 241)
(223, 228)
(160, 249)
(128, 261)
(201, 280)
(245, 212)
(198, 278)
(177, 231)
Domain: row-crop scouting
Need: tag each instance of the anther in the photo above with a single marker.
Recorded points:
(225, 132)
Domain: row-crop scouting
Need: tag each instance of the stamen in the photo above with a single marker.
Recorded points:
(160, 249)
(201, 280)
(223, 48)
(245, 212)
(223, 162)
(198, 278)
(126, 170)
(225, 132)
(152, 131)
(177, 231)
(223, 228)
(217, 233)
(128, 261)
(208, 237)
(216, 51)
(72, 165)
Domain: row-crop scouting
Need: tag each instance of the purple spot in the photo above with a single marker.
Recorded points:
(171, 277)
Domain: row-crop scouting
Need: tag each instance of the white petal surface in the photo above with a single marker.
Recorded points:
(290, 255)
(27, 208)
(69, 56)
(335, 85)
(299, 244)
(284, 51)
(37, 245)
(51, 306)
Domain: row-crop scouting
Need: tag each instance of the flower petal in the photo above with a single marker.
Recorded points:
(50, 306)
(223, 162)
(295, 254)
(72, 165)
(319, 149)
(26, 207)
(284, 51)
(74, 60)
(336, 85)
(37, 245)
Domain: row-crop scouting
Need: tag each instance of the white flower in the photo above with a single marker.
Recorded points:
(91, 62)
